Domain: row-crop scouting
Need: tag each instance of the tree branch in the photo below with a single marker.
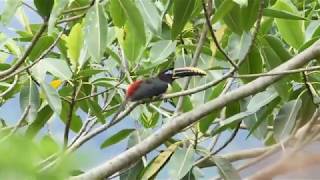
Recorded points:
(178, 123)
(20, 61)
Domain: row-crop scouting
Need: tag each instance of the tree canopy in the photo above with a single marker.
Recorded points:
(261, 59)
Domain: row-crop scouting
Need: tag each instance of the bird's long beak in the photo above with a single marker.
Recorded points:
(187, 71)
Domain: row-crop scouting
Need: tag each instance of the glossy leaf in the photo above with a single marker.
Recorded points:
(181, 162)
(9, 10)
(205, 123)
(252, 64)
(181, 13)
(95, 31)
(162, 49)
(280, 14)
(116, 138)
(44, 7)
(226, 170)
(117, 13)
(43, 116)
(74, 43)
(76, 122)
(292, 31)
(248, 13)
(224, 7)
(29, 96)
(58, 7)
(52, 97)
(155, 165)
(43, 44)
(150, 15)
(286, 119)
(56, 67)
(96, 110)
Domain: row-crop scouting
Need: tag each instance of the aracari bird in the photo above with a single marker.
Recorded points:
(156, 86)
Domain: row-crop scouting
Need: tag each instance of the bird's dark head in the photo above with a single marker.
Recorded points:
(167, 75)
(171, 74)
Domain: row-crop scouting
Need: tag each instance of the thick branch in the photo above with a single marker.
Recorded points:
(176, 124)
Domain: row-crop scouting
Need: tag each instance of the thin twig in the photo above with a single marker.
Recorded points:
(45, 53)
(102, 92)
(30, 7)
(14, 83)
(215, 40)
(73, 18)
(233, 135)
(34, 41)
(20, 121)
(70, 114)
(313, 68)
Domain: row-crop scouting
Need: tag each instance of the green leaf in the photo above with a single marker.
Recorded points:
(43, 116)
(43, 44)
(162, 49)
(242, 3)
(76, 122)
(182, 10)
(58, 7)
(56, 67)
(9, 10)
(205, 122)
(29, 95)
(116, 138)
(226, 170)
(261, 99)
(249, 14)
(224, 7)
(44, 7)
(96, 110)
(252, 65)
(181, 162)
(274, 53)
(292, 31)
(150, 15)
(280, 14)
(74, 44)
(155, 165)
(239, 46)
(48, 146)
(117, 13)
(52, 97)
(232, 121)
(95, 31)
(286, 119)
(135, 39)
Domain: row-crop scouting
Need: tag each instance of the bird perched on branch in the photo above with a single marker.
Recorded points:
(156, 86)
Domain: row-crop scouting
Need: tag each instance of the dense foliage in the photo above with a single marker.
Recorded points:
(76, 63)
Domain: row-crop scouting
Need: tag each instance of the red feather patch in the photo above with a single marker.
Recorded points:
(133, 87)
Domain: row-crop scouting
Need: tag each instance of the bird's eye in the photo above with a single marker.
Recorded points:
(169, 72)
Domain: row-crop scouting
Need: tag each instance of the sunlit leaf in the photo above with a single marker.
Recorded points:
(52, 97)
(9, 10)
(181, 162)
(29, 96)
(74, 43)
(181, 13)
(292, 31)
(116, 138)
(286, 119)
(58, 7)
